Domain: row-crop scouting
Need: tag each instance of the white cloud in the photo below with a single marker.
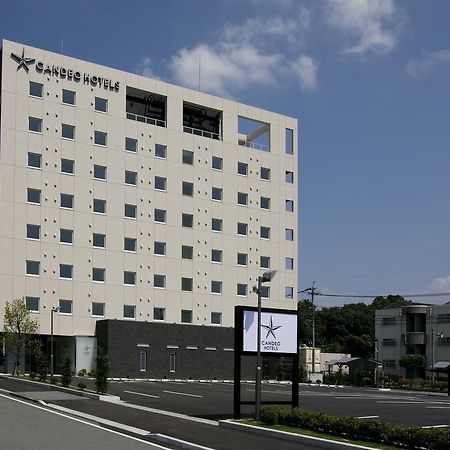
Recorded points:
(145, 68)
(418, 67)
(369, 25)
(305, 68)
(440, 284)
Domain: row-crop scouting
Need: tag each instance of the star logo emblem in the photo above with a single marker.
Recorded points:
(271, 328)
(22, 61)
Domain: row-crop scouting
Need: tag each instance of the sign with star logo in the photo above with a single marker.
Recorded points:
(22, 61)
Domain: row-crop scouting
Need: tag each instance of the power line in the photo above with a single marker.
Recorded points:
(439, 294)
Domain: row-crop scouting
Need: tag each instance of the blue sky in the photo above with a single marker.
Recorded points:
(368, 81)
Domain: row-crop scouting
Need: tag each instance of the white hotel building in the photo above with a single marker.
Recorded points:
(128, 198)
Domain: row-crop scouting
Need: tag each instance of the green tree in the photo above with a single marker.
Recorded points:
(101, 372)
(41, 364)
(19, 329)
(66, 371)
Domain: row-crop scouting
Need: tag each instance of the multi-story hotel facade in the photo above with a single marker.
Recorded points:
(130, 199)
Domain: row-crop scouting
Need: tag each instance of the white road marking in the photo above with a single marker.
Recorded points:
(438, 407)
(140, 393)
(183, 393)
(270, 392)
(400, 402)
(345, 397)
(368, 417)
(437, 426)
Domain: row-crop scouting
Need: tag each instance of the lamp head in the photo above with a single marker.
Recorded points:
(55, 308)
(267, 276)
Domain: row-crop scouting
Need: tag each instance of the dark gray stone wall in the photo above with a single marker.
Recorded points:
(124, 340)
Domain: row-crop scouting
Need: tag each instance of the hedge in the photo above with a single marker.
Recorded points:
(406, 436)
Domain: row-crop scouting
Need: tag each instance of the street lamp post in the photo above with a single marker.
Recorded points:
(265, 278)
(53, 310)
(438, 335)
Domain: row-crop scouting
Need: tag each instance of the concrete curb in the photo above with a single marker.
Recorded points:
(293, 437)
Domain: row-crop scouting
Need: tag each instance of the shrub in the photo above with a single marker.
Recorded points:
(81, 386)
(41, 365)
(66, 371)
(33, 375)
(82, 373)
(102, 372)
(53, 380)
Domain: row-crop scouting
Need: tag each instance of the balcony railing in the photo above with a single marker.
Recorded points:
(207, 134)
(264, 148)
(144, 119)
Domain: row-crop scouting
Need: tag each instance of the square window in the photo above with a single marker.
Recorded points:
(241, 289)
(264, 262)
(289, 263)
(242, 168)
(129, 277)
(36, 89)
(159, 248)
(34, 160)
(289, 292)
(66, 201)
(188, 188)
(68, 97)
(159, 313)
(265, 232)
(216, 255)
(100, 138)
(32, 304)
(130, 211)
(67, 166)
(242, 229)
(65, 271)
(289, 234)
(99, 240)
(290, 205)
(99, 172)
(265, 203)
(159, 281)
(160, 151)
(216, 318)
(98, 309)
(67, 131)
(289, 177)
(186, 316)
(265, 173)
(101, 104)
(129, 311)
(242, 259)
(216, 224)
(160, 215)
(34, 196)
(172, 362)
(33, 231)
(242, 198)
(187, 251)
(32, 267)
(98, 274)
(142, 361)
(216, 287)
(160, 183)
(66, 236)
(217, 194)
(65, 306)
(186, 284)
(217, 163)
(129, 244)
(131, 144)
(289, 141)
(265, 292)
(130, 177)
(187, 220)
(99, 206)
(188, 157)
(35, 124)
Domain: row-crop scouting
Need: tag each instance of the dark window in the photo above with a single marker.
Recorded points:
(35, 124)
(242, 168)
(67, 166)
(265, 291)
(172, 362)
(130, 177)
(130, 211)
(99, 172)
(129, 244)
(289, 141)
(160, 215)
(216, 255)
(290, 205)
(36, 89)
(242, 229)
(159, 281)
(289, 234)
(389, 321)
(100, 138)
(33, 195)
(265, 203)
(188, 157)
(98, 309)
(159, 248)
(216, 287)
(389, 342)
(33, 231)
(67, 131)
(160, 151)
(129, 277)
(99, 240)
(217, 193)
(34, 160)
(160, 183)
(66, 236)
(159, 313)
(242, 259)
(143, 361)
(216, 318)
(265, 232)
(217, 163)
(289, 177)
(242, 289)
(265, 173)
(187, 220)
(187, 251)
(186, 317)
(289, 263)
(65, 306)
(65, 271)
(188, 188)
(33, 267)
(68, 97)
(242, 198)
(289, 292)
(66, 201)
(216, 224)
(98, 274)
(186, 284)
(264, 262)
(129, 311)
(101, 104)
(99, 205)
(32, 303)
(131, 144)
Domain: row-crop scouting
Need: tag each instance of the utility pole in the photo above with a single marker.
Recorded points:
(313, 290)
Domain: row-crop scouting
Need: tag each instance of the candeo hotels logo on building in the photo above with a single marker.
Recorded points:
(67, 73)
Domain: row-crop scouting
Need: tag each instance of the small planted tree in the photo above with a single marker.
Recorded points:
(19, 329)
(101, 372)
(41, 364)
(66, 371)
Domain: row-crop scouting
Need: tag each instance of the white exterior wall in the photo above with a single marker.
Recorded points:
(17, 105)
